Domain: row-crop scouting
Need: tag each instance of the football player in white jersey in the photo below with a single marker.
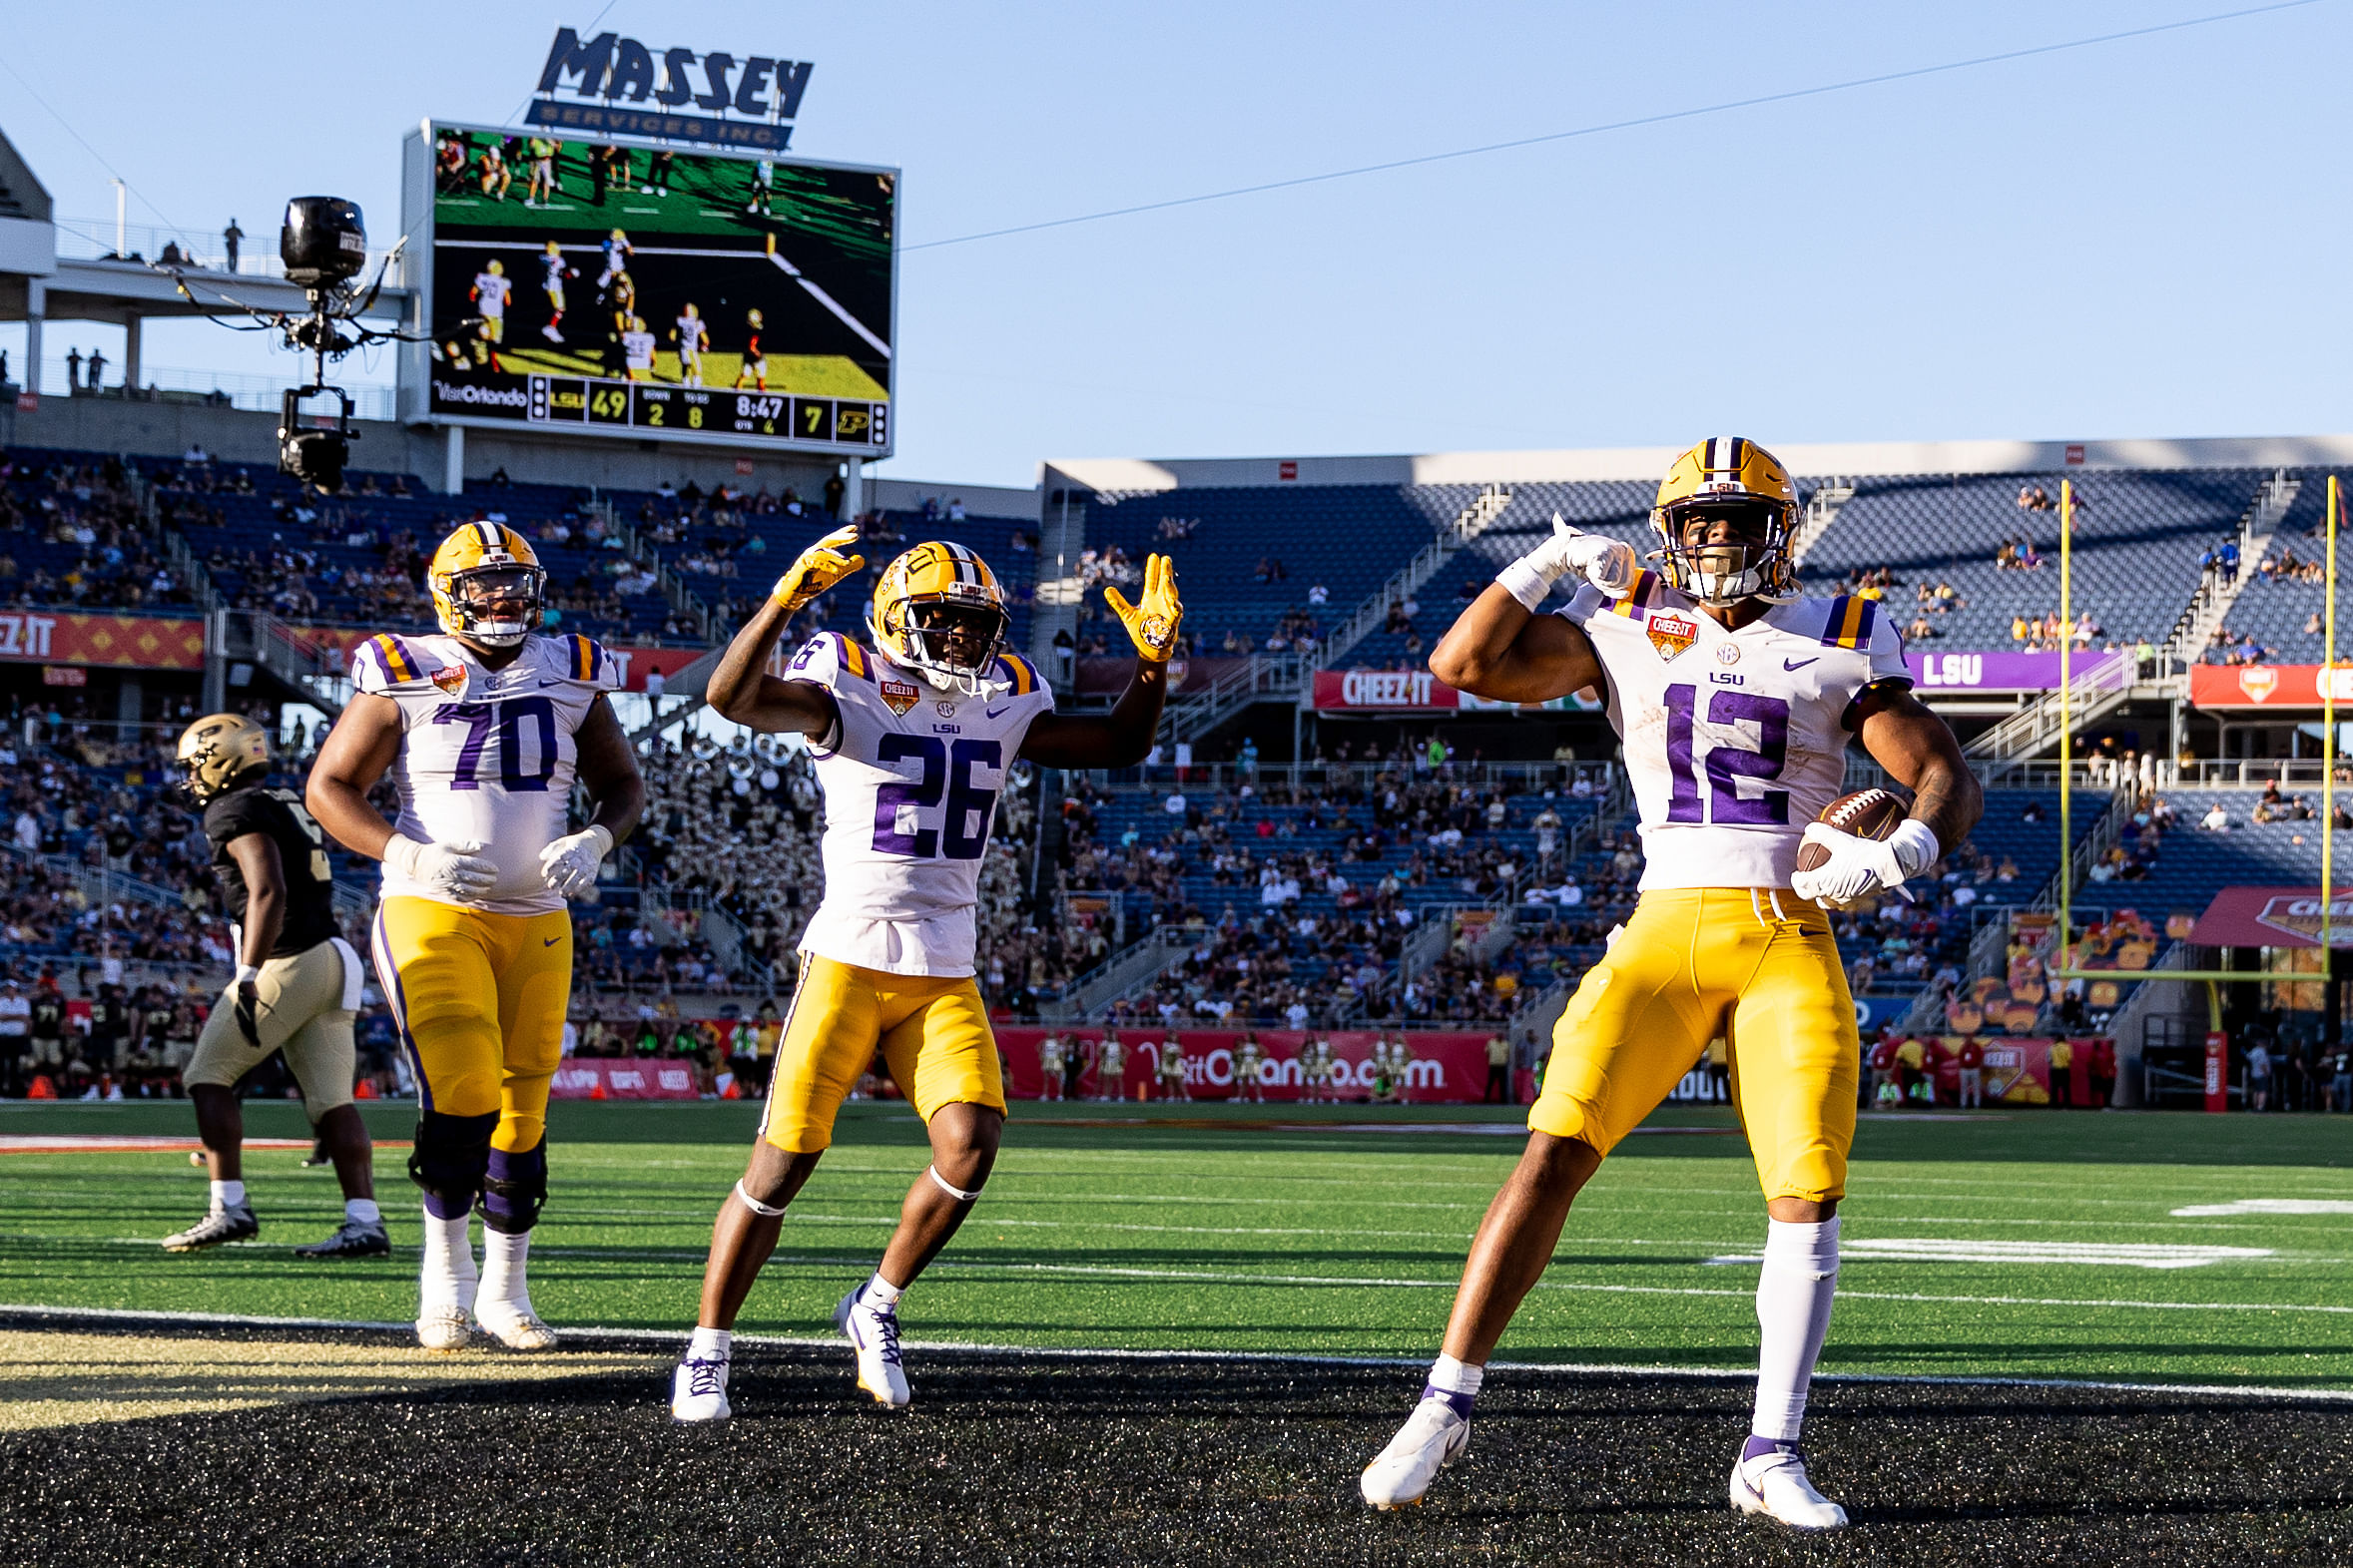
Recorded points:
(484, 731)
(1735, 695)
(913, 735)
(489, 295)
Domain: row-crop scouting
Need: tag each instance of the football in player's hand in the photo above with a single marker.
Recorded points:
(1866, 814)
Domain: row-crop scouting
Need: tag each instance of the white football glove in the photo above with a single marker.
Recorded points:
(1609, 564)
(568, 865)
(456, 870)
(1859, 868)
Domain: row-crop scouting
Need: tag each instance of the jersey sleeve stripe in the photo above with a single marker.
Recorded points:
(1025, 678)
(394, 657)
(1850, 623)
(583, 658)
(1631, 605)
(854, 658)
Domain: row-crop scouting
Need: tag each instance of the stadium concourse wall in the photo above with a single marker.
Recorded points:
(114, 425)
(1855, 458)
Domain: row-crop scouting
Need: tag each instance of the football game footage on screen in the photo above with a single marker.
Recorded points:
(594, 285)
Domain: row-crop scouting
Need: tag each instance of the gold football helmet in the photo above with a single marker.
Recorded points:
(1726, 479)
(218, 750)
(480, 569)
(939, 611)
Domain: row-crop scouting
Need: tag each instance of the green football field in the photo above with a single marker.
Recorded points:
(2144, 1246)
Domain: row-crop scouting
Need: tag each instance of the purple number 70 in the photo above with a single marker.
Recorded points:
(479, 718)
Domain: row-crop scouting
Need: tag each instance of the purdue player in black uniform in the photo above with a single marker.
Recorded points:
(296, 986)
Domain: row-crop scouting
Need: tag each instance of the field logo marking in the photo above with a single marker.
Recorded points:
(2266, 1206)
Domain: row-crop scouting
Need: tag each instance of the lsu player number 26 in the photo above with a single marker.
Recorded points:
(914, 731)
(1735, 695)
(483, 731)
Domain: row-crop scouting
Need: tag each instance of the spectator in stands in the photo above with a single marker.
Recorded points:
(2217, 820)
(1921, 629)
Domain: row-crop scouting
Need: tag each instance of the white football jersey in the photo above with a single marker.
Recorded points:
(491, 291)
(487, 756)
(910, 777)
(1734, 740)
(638, 348)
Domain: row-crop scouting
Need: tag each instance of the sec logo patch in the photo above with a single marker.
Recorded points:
(1727, 652)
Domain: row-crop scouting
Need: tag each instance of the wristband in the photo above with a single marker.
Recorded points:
(1916, 846)
(246, 972)
(400, 853)
(605, 834)
(1527, 582)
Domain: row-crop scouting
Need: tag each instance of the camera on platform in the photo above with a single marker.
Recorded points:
(322, 241)
(323, 244)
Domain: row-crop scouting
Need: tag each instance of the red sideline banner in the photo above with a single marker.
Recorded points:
(1447, 1068)
(124, 642)
(2265, 685)
(635, 663)
(2017, 1071)
(617, 1078)
(1417, 691)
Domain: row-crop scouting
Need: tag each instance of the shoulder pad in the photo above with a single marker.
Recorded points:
(392, 663)
(1022, 678)
(583, 660)
(1850, 622)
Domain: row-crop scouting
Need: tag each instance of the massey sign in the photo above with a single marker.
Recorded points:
(686, 96)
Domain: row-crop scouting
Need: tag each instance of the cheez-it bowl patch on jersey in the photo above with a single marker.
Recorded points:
(1670, 633)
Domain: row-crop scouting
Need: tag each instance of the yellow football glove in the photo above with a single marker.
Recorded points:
(820, 567)
(1154, 622)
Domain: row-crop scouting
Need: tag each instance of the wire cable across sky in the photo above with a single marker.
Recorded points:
(1637, 123)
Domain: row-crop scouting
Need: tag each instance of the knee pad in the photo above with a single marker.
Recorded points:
(514, 1188)
(449, 1159)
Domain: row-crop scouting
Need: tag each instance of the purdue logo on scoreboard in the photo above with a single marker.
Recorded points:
(1670, 633)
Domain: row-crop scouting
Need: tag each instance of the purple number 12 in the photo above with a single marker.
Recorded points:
(1726, 765)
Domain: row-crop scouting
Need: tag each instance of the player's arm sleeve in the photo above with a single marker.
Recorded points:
(589, 663)
(391, 666)
(1886, 673)
(1025, 679)
(1586, 603)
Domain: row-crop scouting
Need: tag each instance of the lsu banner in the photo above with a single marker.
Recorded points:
(2013, 672)
(1446, 1066)
(124, 642)
(2265, 685)
(619, 1078)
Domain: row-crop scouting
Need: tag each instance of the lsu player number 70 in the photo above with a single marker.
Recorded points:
(913, 729)
(1735, 695)
(483, 730)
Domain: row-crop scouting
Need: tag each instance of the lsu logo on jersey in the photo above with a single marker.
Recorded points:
(1670, 633)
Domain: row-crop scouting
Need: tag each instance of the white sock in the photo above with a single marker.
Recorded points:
(504, 1281)
(228, 1195)
(1453, 1376)
(447, 1278)
(1794, 1292)
(709, 1345)
(362, 1211)
(880, 1292)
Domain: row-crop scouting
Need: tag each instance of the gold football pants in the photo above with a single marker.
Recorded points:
(480, 1001)
(1754, 966)
(932, 1031)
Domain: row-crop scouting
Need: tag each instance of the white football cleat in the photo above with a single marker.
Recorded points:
(1433, 1436)
(448, 1327)
(698, 1391)
(514, 1324)
(873, 1331)
(1773, 1482)
(231, 1222)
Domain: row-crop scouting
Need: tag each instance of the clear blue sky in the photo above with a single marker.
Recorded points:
(2134, 239)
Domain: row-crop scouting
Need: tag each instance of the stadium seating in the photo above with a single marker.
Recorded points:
(2139, 536)
(2275, 608)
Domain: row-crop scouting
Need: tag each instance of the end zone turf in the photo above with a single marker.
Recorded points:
(1013, 1459)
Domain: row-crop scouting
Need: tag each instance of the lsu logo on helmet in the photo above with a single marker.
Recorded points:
(1731, 478)
(480, 569)
(939, 611)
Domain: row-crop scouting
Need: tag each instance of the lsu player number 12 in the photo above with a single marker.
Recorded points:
(483, 731)
(915, 731)
(1735, 695)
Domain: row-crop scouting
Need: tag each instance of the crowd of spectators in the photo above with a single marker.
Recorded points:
(79, 530)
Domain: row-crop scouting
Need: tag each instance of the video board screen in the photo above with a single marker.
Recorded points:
(607, 287)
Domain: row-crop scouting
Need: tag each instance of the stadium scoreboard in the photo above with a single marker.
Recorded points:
(603, 286)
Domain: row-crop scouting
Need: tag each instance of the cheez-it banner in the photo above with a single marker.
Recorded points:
(127, 642)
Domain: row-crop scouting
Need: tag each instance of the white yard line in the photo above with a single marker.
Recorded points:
(101, 1315)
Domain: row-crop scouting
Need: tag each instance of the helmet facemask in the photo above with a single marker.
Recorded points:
(477, 597)
(951, 644)
(1722, 549)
